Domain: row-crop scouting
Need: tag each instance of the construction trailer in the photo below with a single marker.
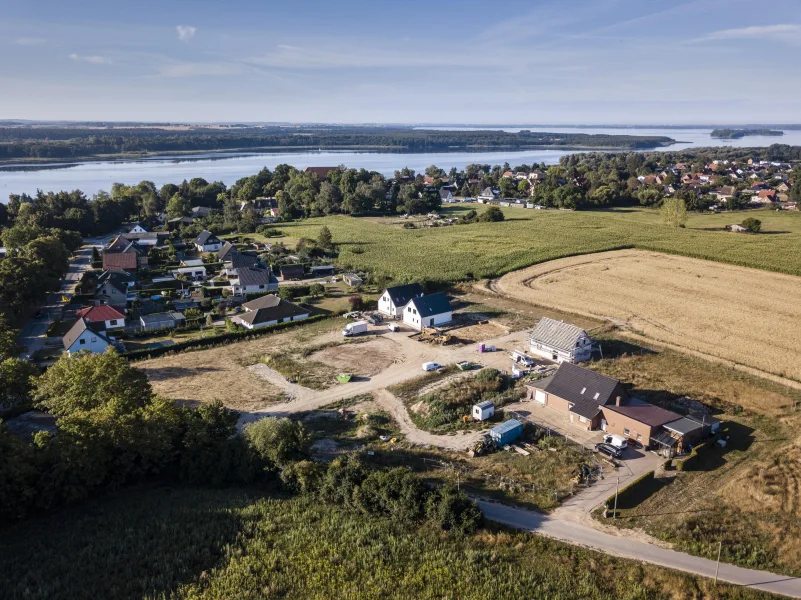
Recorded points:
(507, 432)
(483, 410)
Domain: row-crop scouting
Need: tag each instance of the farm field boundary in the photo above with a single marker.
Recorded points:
(740, 316)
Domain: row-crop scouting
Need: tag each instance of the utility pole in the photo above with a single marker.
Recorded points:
(617, 488)
(717, 568)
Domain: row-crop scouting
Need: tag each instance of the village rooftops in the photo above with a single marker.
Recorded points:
(557, 334)
(224, 253)
(433, 304)
(401, 294)
(204, 237)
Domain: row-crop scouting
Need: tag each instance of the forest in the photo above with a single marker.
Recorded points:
(61, 143)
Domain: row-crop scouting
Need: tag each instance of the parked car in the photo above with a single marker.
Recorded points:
(609, 450)
(521, 358)
(431, 366)
(353, 315)
(393, 327)
(618, 441)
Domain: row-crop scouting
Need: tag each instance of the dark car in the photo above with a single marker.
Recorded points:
(38, 314)
(609, 450)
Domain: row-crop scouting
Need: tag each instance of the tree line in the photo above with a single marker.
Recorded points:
(113, 432)
(74, 142)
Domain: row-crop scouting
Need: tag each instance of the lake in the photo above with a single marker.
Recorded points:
(93, 176)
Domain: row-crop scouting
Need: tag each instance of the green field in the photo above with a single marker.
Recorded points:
(479, 250)
(202, 544)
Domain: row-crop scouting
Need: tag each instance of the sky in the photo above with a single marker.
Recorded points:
(373, 61)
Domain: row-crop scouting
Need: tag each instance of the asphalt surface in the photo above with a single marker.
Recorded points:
(582, 535)
(33, 333)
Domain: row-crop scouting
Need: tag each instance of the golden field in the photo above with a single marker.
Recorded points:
(745, 316)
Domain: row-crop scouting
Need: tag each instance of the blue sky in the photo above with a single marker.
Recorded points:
(566, 61)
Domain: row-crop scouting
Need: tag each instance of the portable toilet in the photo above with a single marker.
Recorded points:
(483, 410)
(481, 347)
(507, 432)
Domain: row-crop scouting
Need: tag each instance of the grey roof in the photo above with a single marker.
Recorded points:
(486, 404)
(704, 418)
(683, 426)
(204, 236)
(584, 388)
(242, 259)
(78, 328)
(292, 270)
(507, 426)
(664, 438)
(276, 311)
(267, 301)
(401, 294)
(255, 276)
(162, 316)
(556, 334)
(227, 248)
(433, 304)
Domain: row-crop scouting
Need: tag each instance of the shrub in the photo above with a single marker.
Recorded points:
(751, 224)
(492, 214)
(451, 510)
(277, 442)
(356, 302)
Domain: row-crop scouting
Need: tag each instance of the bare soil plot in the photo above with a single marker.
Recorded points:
(746, 316)
(363, 359)
(221, 372)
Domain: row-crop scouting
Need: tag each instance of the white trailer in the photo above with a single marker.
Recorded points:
(355, 328)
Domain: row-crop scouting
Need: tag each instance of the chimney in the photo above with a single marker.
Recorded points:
(617, 401)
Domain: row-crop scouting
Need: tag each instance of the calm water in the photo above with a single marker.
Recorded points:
(92, 177)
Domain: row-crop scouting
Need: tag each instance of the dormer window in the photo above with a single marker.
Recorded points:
(595, 397)
(583, 390)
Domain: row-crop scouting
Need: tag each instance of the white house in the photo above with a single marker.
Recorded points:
(206, 241)
(483, 410)
(86, 336)
(138, 228)
(250, 280)
(446, 195)
(560, 342)
(394, 299)
(428, 311)
(487, 195)
(269, 310)
(104, 316)
(196, 272)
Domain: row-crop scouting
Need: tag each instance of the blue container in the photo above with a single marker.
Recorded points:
(507, 432)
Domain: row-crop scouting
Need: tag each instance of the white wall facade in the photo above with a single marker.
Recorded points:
(88, 340)
(412, 318)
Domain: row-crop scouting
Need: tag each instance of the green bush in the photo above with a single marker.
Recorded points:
(631, 495)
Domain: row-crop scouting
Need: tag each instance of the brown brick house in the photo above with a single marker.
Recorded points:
(636, 420)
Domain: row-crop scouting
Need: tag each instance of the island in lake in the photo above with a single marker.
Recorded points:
(732, 134)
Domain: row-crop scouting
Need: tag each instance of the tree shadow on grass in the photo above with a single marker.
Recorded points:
(130, 544)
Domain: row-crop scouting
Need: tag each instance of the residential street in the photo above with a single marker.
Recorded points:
(582, 535)
(32, 334)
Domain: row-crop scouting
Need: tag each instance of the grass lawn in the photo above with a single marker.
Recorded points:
(481, 250)
(174, 542)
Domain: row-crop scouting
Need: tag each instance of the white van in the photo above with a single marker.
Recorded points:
(521, 358)
(618, 441)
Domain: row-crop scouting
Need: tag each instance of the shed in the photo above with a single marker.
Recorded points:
(291, 272)
(322, 270)
(483, 410)
(507, 432)
(352, 279)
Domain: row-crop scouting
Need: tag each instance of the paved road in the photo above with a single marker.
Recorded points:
(583, 535)
(32, 334)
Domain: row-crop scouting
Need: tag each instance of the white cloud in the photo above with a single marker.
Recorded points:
(95, 60)
(185, 32)
(784, 32)
(29, 41)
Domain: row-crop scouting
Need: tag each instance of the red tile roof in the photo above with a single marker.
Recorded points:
(103, 312)
(119, 260)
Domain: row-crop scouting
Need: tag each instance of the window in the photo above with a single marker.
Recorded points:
(639, 437)
(625, 431)
(582, 419)
(94, 339)
(82, 341)
(595, 397)
(583, 390)
(113, 322)
(261, 287)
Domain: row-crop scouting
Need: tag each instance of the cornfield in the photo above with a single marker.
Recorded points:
(203, 544)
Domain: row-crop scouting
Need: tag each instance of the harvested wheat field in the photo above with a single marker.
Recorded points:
(746, 316)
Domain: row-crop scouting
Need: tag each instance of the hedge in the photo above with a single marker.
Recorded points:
(629, 496)
(691, 461)
(223, 338)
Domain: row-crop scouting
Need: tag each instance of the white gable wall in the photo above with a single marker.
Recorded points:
(412, 318)
(88, 340)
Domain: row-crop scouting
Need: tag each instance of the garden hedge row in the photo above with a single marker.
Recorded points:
(689, 463)
(223, 338)
(629, 496)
